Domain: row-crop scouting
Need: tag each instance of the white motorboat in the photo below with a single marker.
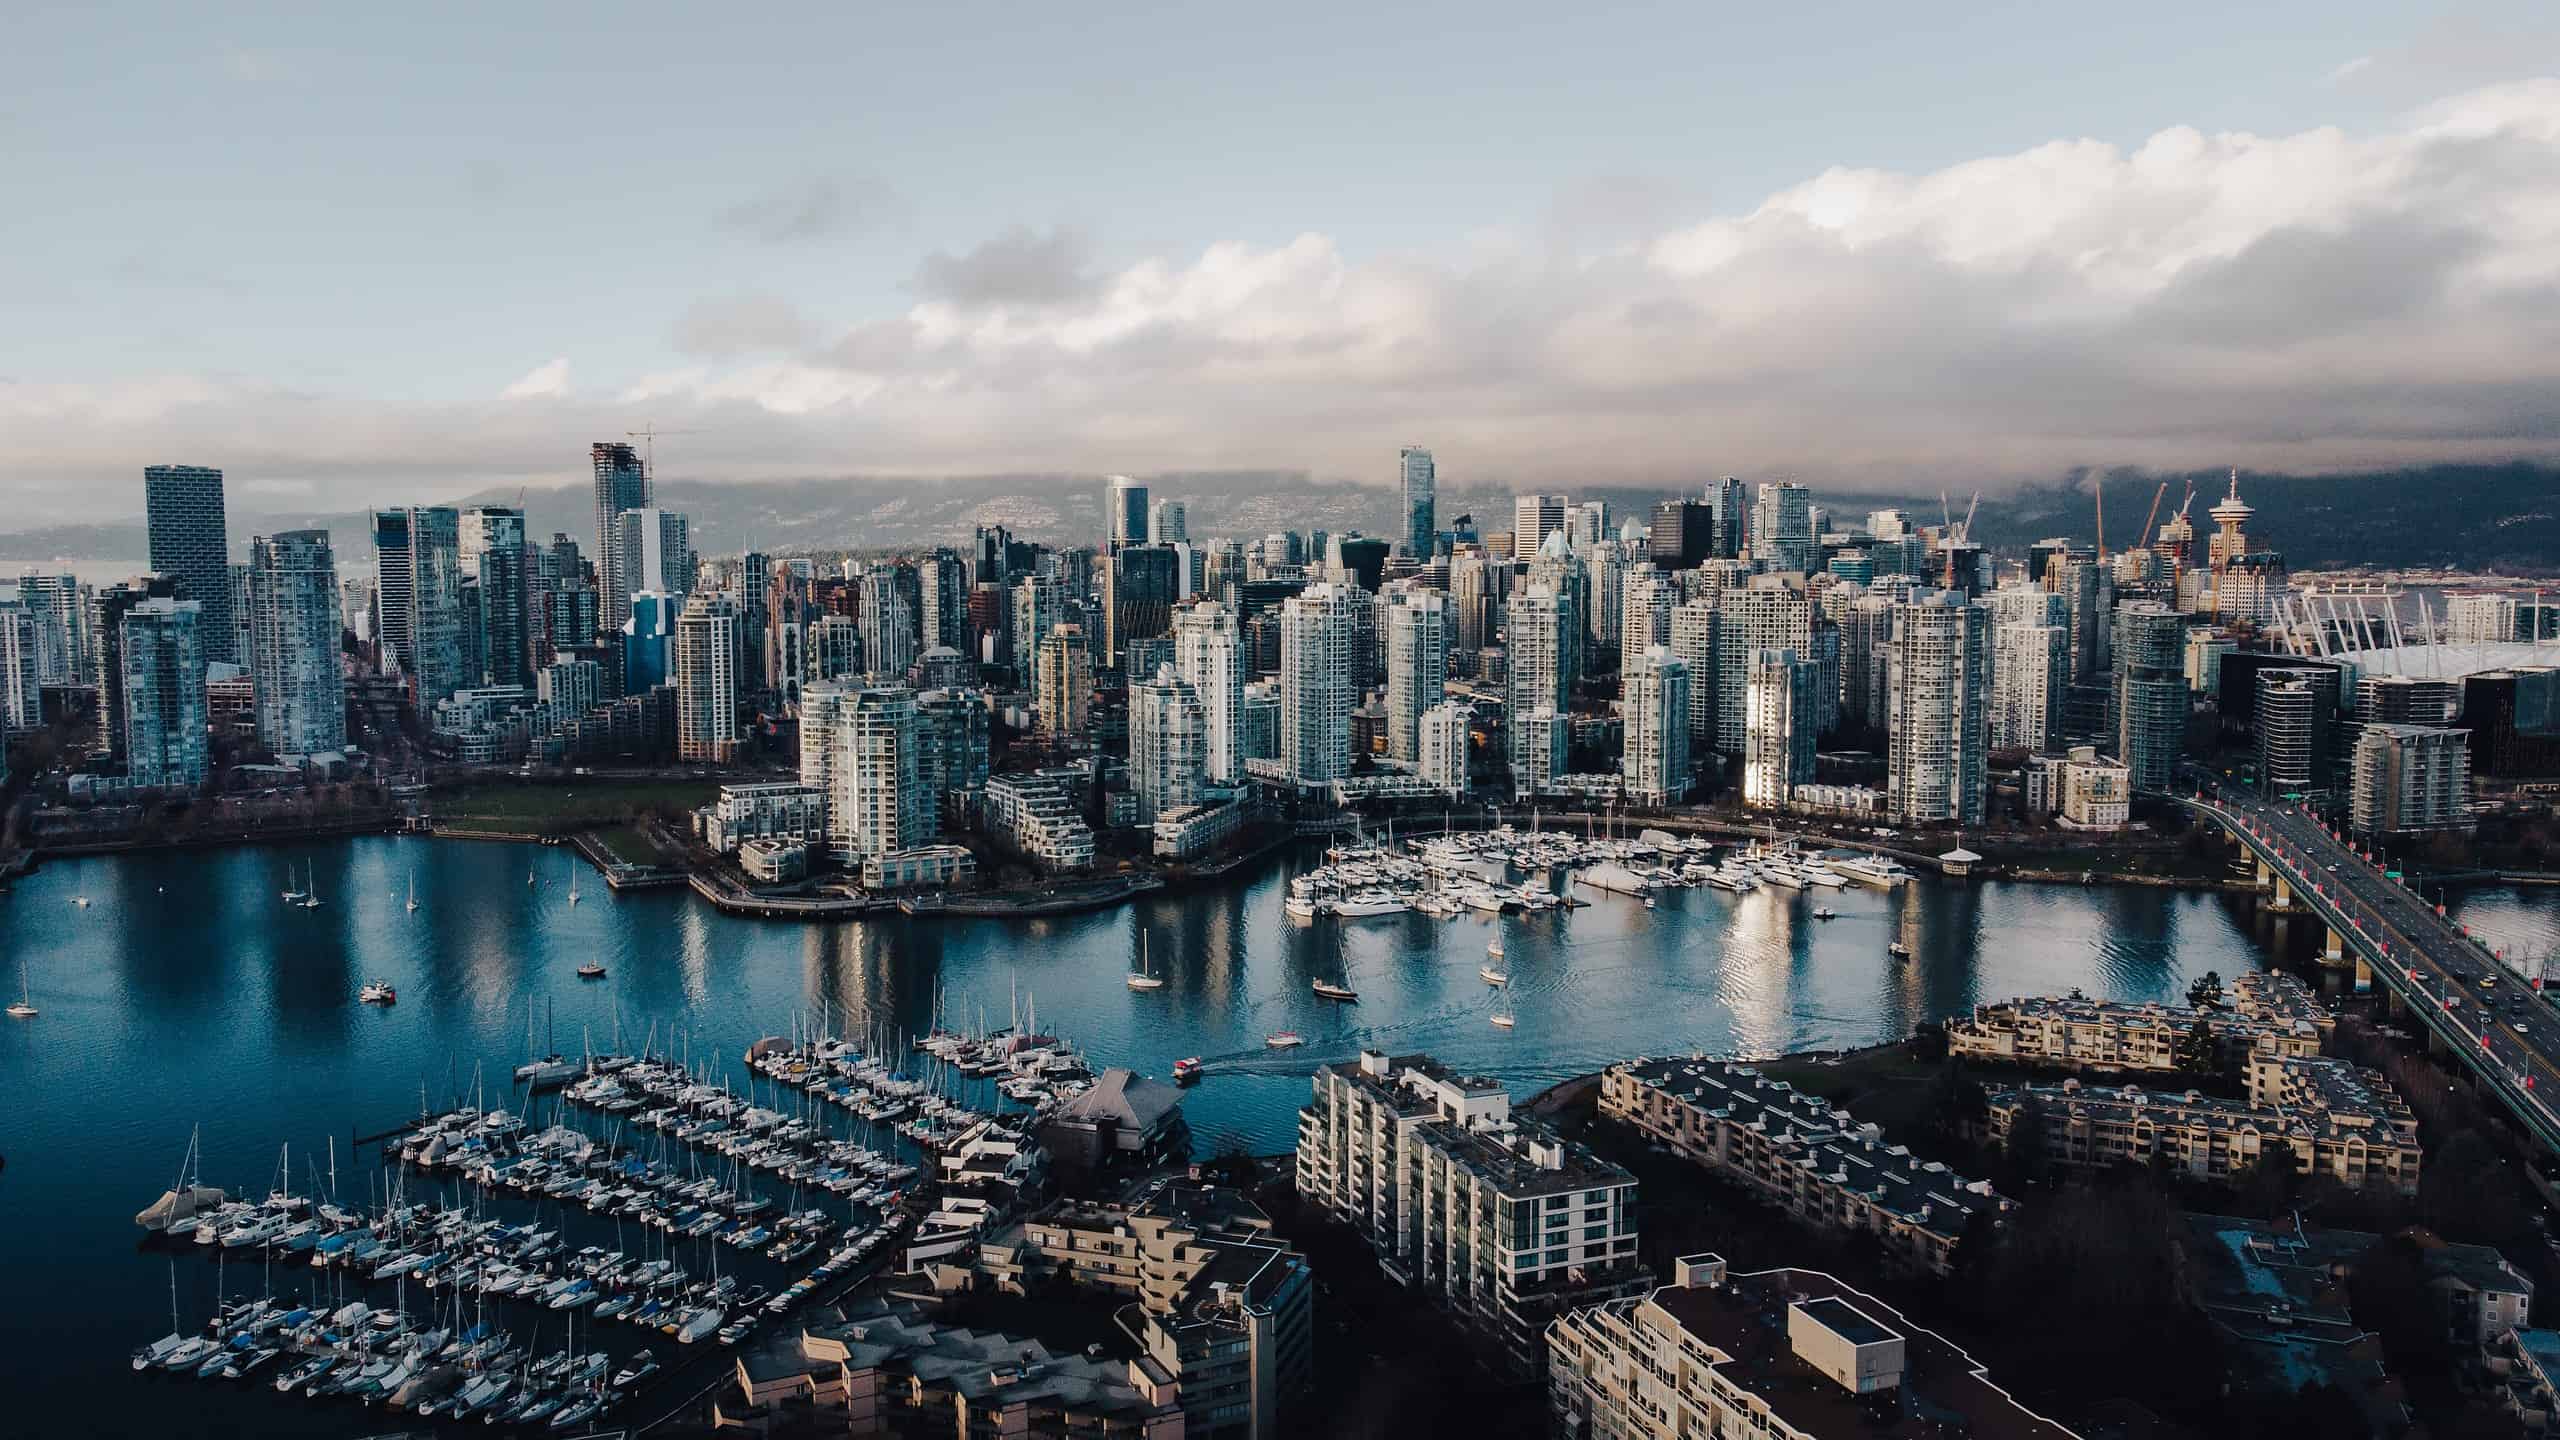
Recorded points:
(1284, 1040)
(25, 1009)
(1493, 976)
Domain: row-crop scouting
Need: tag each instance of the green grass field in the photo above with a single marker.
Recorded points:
(627, 845)
(536, 809)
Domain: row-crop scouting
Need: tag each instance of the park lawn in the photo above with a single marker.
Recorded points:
(627, 845)
(535, 809)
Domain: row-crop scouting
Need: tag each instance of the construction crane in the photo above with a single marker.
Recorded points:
(2143, 535)
(1975, 504)
(648, 435)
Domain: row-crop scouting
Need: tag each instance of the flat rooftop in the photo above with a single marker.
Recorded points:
(1943, 1392)
(1846, 1321)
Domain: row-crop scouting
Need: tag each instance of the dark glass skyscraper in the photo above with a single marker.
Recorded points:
(622, 483)
(1421, 501)
(183, 504)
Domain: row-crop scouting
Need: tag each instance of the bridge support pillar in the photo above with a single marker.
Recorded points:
(2334, 949)
(2364, 975)
(2284, 894)
(2266, 877)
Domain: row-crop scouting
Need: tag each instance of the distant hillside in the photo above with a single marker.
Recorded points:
(2480, 517)
(2505, 517)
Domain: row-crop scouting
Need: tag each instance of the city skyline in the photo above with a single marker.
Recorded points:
(1901, 289)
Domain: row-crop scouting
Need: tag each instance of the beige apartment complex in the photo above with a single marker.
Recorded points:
(2270, 1013)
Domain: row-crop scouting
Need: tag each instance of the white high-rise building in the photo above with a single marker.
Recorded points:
(1649, 597)
(1938, 688)
(1417, 626)
(1769, 612)
(1655, 709)
(1782, 526)
(21, 666)
(708, 649)
(656, 551)
(61, 619)
(861, 744)
(1168, 523)
(1693, 639)
(1168, 744)
(164, 701)
(1442, 756)
(1777, 738)
(1538, 636)
(889, 622)
(1039, 606)
(1208, 653)
(295, 639)
(1533, 518)
(2030, 673)
(1319, 680)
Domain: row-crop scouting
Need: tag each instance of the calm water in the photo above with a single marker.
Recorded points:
(187, 994)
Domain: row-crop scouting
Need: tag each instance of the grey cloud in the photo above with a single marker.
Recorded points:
(729, 325)
(1018, 267)
(818, 208)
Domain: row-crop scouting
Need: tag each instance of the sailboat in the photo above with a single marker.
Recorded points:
(25, 1009)
(413, 891)
(311, 896)
(573, 887)
(1145, 976)
(1502, 1017)
(294, 894)
(1493, 972)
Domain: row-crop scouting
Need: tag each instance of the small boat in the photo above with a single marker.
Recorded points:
(1502, 1019)
(80, 900)
(642, 1366)
(528, 879)
(1898, 950)
(1651, 903)
(1494, 976)
(1327, 990)
(1494, 949)
(413, 891)
(573, 888)
(592, 970)
(1284, 1039)
(377, 992)
(1145, 976)
(1186, 1071)
(25, 1009)
(1825, 912)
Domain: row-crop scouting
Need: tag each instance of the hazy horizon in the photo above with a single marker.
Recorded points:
(353, 258)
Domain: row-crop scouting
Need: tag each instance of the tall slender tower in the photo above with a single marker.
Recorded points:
(1421, 501)
(622, 483)
(294, 643)
(183, 505)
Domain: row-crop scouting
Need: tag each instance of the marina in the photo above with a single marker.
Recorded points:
(187, 995)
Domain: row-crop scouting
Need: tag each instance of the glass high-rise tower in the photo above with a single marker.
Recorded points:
(1421, 501)
(183, 505)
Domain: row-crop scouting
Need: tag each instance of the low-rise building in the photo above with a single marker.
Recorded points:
(1188, 832)
(938, 867)
(791, 812)
(882, 1368)
(2278, 1296)
(2330, 1117)
(1774, 1355)
(1210, 1294)
(2272, 1013)
(774, 862)
(1125, 1118)
(1499, 1220)
(1035, 811)
(1819, 1164)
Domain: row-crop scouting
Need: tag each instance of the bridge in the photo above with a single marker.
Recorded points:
(2432, 968)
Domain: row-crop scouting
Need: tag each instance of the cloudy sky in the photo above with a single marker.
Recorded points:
(351, 253)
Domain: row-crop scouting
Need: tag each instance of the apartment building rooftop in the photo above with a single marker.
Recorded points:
(1942, 1390)
(1524, 1159)
(1830, 1144)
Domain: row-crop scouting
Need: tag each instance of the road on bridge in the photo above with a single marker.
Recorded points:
(2508, 1035)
